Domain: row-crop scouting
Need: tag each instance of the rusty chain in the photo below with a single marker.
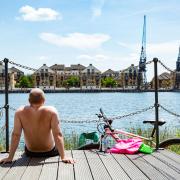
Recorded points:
(66, 121)
(12, 108)
(84, 121)
(141, 65)
(162, 64)
(1, 112)
(22, 66)
(170, 112)
(133, 113)
(33, 69)
(116, 117)
(95, 121)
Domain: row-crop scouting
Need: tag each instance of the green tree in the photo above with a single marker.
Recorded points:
(109, 82)
(26, 82)
(72, 81)
(31, 83)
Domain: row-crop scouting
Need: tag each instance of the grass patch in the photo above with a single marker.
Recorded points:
(2, 140)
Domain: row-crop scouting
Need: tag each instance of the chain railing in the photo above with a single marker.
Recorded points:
(1, 112)
(169, 111)
(95, 120)
(141, 65)
(2, 128)
(11, 108)
(167, 68)
(113, 118)
(2, 107)
(33, 69)
(79, 122)
(133, 113)
(22, 66)
(155, 60)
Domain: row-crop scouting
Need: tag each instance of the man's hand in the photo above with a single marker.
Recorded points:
(6, 160)
(68, 160)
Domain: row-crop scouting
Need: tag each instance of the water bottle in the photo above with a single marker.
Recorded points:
(104, 144)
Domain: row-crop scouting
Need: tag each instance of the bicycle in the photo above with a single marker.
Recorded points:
(105, 128)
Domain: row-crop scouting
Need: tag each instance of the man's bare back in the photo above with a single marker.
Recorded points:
(40, 125)
(36, 123)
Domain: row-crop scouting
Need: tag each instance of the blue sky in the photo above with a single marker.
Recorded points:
(106, 33)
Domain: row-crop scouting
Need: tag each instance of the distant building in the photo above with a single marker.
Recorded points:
(110, 73)
(17, 74)
(44, 77)
(128, 77)
(177, 72)
(63, 73)
(91, 77)
(2, 77)
(113, 74)
(164, 81)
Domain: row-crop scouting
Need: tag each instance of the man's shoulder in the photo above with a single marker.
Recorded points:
(50, 109)
(21, 108)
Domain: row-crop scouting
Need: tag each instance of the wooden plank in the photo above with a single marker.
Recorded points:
(171, 163)
(150, 171)
(98, 169)
(164, 168)
(81, 167)
(34, 169)
(66, 171)
(4, 168)
(18, 168)
(133, 171)
(112, 166)
(50, 168)
(172, 155)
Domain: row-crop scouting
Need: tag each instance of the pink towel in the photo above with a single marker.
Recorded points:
(126, 146)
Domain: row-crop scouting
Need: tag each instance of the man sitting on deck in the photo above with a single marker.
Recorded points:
(40, 124)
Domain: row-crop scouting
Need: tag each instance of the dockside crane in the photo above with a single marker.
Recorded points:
(141, 79)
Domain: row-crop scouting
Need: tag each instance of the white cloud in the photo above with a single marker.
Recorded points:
(97, 8)
(41, 14)
(98, 57)
(162, 49)
(76, 40)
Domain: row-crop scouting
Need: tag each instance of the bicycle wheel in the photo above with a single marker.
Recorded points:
(170, 142)
(89, 146)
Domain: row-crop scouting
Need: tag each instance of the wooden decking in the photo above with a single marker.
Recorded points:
(92, 165)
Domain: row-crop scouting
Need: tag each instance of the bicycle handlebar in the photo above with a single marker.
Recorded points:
(105, 119)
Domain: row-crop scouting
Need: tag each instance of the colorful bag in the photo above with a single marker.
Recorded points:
(145, 149)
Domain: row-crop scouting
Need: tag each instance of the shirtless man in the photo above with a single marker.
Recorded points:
(40, 125)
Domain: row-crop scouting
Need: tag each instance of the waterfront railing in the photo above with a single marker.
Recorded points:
(156, 105)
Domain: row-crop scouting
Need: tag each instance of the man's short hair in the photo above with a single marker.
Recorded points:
(36, 96)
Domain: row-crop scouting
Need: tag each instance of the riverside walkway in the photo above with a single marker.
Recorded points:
(92, 165)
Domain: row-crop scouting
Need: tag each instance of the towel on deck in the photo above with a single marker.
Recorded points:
(127, 146)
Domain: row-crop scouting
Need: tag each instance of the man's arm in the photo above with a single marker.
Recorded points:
(58, 138)
(15, 137)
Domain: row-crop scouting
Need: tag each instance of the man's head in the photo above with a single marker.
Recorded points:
(36, 97)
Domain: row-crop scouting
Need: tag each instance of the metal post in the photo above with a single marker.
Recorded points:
(156, 102)
(7, 103)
